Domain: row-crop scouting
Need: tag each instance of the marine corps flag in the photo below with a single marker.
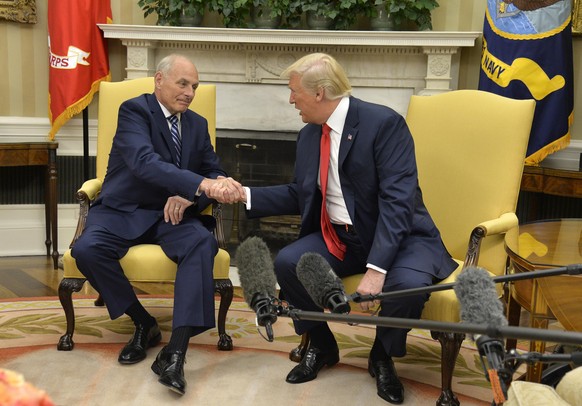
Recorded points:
(527, 54)
(78, 59)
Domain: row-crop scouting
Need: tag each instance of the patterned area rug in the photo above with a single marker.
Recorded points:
(30, 330)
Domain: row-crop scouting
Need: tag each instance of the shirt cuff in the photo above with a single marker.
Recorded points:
(375, 268)
(248, 193)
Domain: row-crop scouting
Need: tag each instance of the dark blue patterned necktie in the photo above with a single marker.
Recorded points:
(176, 138)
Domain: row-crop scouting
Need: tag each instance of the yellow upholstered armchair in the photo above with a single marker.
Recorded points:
(146, 262)
(470, 149)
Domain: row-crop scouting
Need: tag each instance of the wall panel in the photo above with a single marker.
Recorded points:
(23, 54)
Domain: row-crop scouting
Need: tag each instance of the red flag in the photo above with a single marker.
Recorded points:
(78, 58)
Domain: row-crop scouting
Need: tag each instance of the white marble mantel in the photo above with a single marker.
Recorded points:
(386, 67)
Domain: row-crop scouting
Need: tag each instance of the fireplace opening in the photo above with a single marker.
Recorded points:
(261, 159)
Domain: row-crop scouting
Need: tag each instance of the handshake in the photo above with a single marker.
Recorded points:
(224, 190)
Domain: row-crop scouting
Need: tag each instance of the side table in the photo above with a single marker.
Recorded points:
(39, 154)
(549, 181)
(544, 245)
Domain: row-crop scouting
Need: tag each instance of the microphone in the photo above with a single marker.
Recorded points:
(480, 305)
(323, 285)
(257, 279)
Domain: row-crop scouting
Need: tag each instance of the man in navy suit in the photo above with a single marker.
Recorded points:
(154, 191)
(378, 220)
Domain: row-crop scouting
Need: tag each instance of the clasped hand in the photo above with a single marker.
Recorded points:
(175, 208)
(371, 284)
(223, 190)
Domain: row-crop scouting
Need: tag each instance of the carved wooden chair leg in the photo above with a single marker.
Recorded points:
(66, 289)
(224, 288)
(450, 347)
(296, 354)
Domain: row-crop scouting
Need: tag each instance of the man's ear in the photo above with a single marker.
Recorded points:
(320, 94)
(157, 79)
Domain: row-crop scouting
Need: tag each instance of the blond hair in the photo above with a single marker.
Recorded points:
(320, 71)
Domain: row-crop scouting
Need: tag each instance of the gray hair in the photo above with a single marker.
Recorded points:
(166, 64)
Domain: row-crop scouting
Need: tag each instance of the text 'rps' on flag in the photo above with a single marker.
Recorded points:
(78, 58)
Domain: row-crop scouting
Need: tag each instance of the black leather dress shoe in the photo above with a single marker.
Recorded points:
(143, 338)
(312, 362)
(170, 367)
(389, 386)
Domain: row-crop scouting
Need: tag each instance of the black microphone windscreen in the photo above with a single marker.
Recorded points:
(255, 269)
(478, 298)
(316, 275)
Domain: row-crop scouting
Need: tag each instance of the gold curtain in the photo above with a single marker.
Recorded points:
(577, 17)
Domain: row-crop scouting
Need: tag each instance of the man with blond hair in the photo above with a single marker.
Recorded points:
(361, 207)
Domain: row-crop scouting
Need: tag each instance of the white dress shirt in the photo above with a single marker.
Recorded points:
(336, 205)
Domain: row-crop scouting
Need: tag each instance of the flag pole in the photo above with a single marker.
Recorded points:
(86, 144)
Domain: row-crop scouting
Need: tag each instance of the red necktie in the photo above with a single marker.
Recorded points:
(334, 245)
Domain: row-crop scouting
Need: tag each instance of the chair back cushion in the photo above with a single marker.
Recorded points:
(470, 149)
(112, 94)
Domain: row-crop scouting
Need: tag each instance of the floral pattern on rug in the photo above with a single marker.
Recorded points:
(42, 322)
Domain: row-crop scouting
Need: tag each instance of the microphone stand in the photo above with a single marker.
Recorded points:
(575, 269)
(533, 357)
(512, 360)
(522, 333)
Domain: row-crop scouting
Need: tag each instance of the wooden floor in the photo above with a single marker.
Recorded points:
(34, 276)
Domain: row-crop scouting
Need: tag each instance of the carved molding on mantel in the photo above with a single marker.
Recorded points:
(383, 66)
(297, 37)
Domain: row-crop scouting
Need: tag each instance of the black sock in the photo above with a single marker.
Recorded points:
(377, 353)
(180, 338)
(139, 315)
(321, 337)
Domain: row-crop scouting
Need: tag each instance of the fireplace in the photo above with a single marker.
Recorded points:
(256, 126)
(385, 67)
(258, 159)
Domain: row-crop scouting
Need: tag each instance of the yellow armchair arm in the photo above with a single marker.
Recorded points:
(500, 225)
(85, 195)
(90, 189)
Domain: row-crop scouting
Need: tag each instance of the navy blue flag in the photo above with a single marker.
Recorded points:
(527, 54)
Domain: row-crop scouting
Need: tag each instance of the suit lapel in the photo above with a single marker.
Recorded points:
(188, 134)
(350, 131)
(348, 139)
(162, 123)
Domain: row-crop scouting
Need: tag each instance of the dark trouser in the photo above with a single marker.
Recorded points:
(398, 278)
(189, 244)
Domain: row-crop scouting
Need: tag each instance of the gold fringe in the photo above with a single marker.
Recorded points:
(74, 108)
(538, 156)
(561, 143)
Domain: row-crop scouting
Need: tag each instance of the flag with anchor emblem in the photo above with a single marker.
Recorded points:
(527, 54)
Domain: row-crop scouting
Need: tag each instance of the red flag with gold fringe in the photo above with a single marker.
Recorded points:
(78, 58)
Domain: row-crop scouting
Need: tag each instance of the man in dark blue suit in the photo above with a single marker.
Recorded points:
(379, 224)
(159, 177)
